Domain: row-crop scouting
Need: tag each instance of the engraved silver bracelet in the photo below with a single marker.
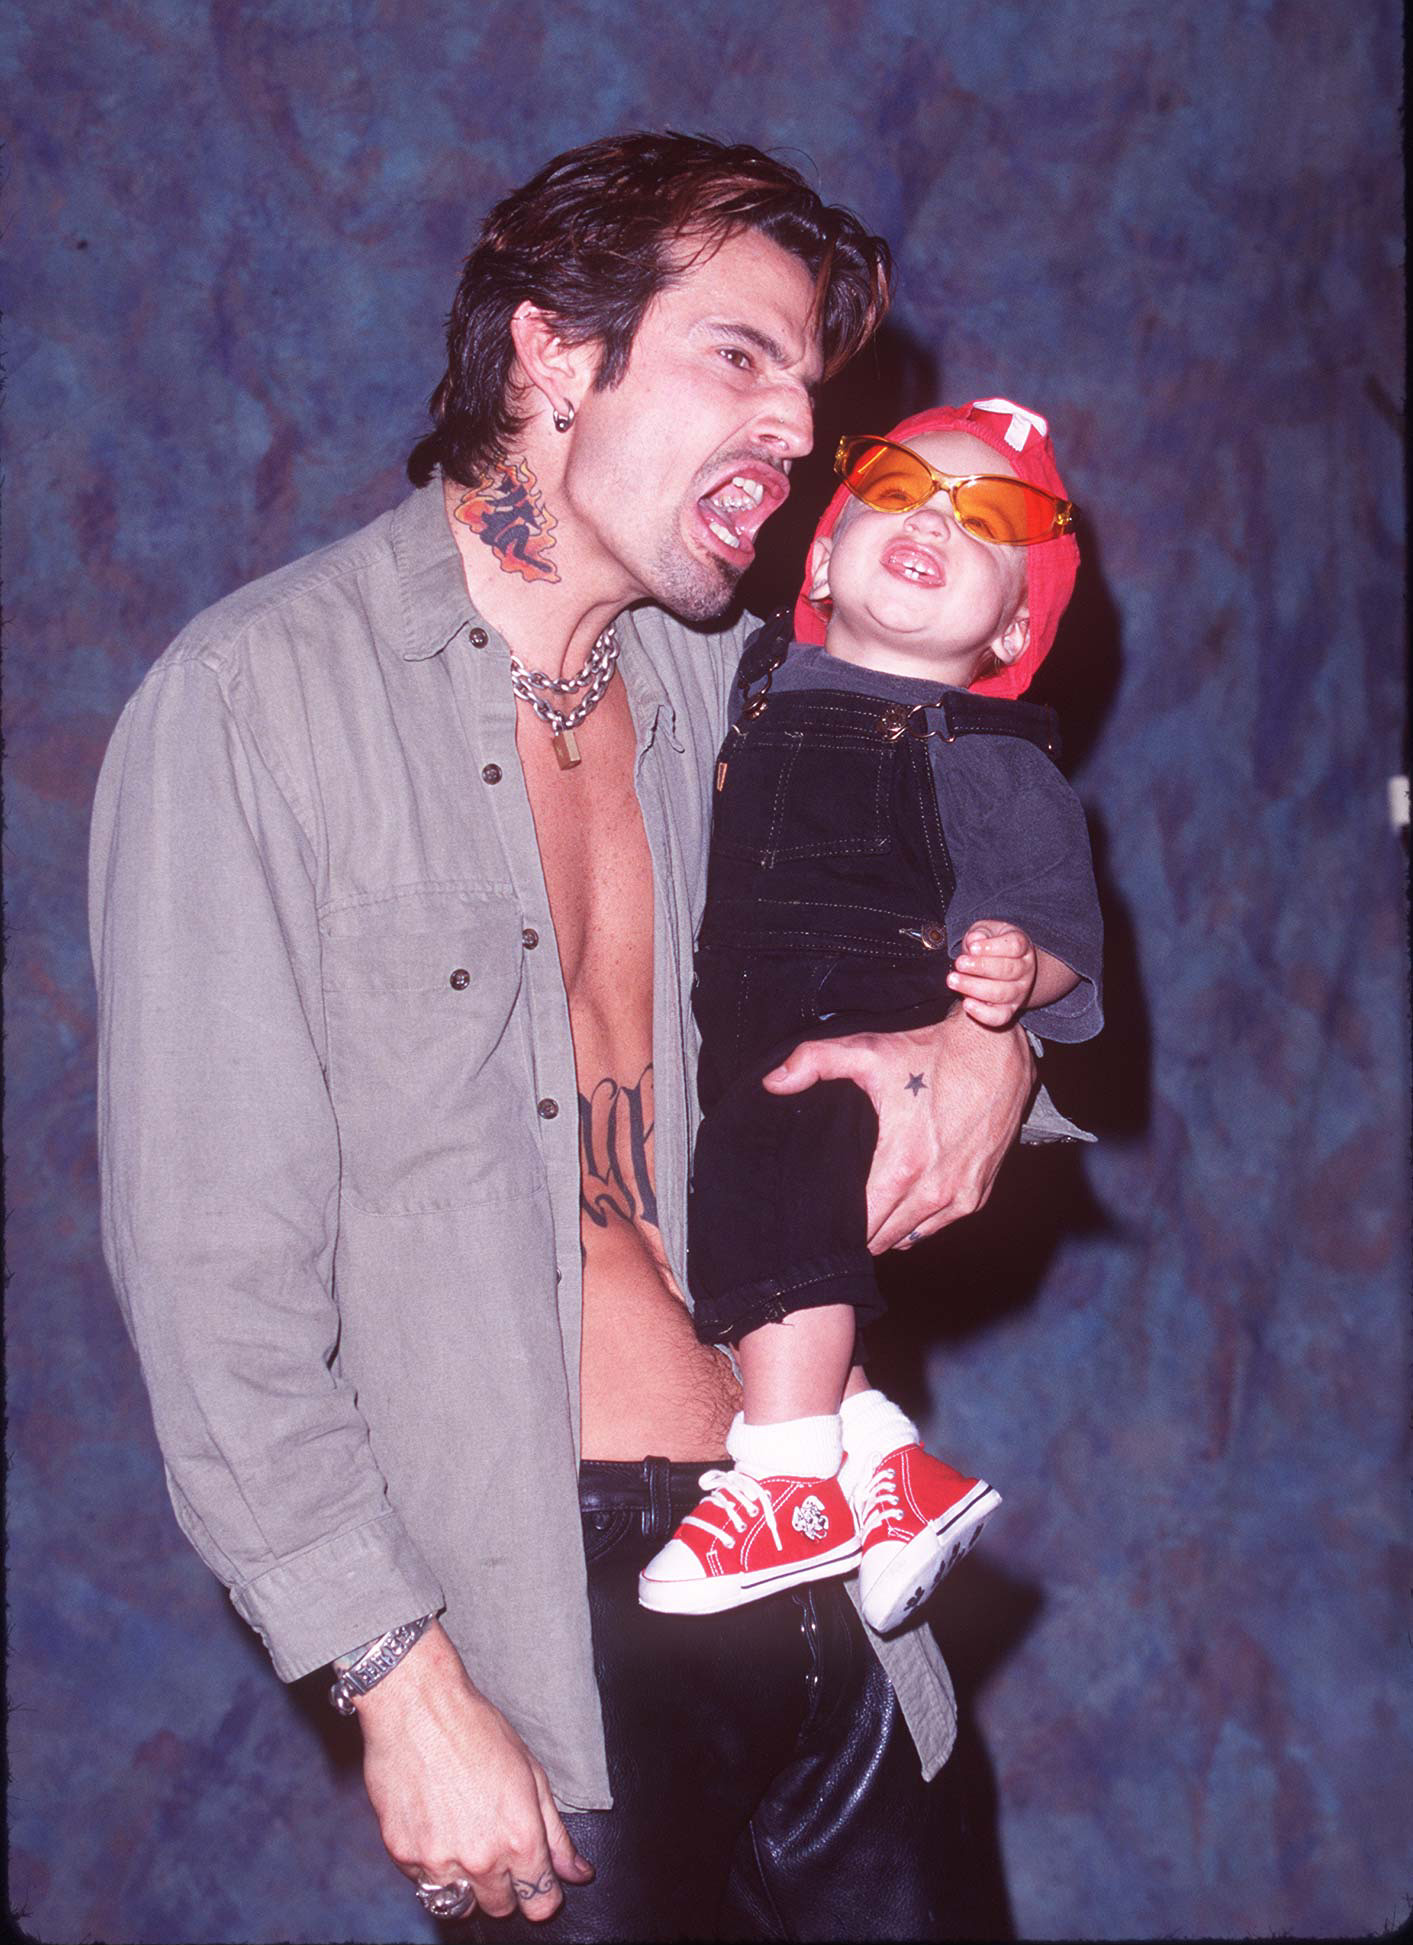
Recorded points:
(375, 1661)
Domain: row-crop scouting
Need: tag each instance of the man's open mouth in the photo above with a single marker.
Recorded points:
(736, 508)
(909, 562)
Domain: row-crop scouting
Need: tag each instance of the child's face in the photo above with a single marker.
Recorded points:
(913, 593)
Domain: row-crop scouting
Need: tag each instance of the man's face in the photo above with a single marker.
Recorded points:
(916, 586)
(673, 472)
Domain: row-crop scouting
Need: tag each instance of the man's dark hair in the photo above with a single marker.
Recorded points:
(591, 240)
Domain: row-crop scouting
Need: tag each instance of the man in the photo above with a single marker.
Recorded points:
(374, 900)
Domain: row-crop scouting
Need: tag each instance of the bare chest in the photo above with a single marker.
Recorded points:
(598, 876)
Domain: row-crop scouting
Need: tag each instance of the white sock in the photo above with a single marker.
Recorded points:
(798, 1448)
(872, 1427)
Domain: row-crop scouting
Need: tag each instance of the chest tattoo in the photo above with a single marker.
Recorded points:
(615, 1151)
(914, 1084)
(508, 512)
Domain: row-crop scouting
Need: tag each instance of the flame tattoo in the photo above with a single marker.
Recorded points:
(508, 512)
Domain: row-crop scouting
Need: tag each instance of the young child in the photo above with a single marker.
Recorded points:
(883, 804)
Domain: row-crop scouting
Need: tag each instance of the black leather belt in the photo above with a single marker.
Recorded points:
(658, 1490)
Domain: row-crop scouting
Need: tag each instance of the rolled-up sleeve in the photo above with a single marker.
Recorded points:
(220, 1172)
(1020, 848)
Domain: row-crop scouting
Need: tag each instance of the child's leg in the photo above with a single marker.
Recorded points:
(798, 1367)
(781, 1516)
(793, 1374)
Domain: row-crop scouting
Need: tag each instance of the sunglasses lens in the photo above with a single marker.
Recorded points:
(1006, 512)
(884, 477)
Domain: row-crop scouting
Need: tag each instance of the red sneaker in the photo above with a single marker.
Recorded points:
(749, 1538)
(918, 1518)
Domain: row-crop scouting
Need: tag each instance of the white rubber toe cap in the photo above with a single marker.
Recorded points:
(675, 1561)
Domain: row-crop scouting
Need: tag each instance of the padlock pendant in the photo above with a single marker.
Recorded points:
(566, 749)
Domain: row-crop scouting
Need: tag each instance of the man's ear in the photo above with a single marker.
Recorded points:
(561, 373)
(819, 568)
(1014, 638)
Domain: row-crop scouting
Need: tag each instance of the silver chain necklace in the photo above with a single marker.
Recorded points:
(593, 678)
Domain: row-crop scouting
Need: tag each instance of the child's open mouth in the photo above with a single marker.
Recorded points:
(734, 511)
(909, 562)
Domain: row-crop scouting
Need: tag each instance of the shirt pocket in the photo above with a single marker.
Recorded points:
(428, 1069)
(791, 795)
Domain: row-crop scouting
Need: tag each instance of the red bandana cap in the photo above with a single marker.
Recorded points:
(1023, 438)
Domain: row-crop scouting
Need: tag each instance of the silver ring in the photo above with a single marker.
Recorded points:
(452, 1900)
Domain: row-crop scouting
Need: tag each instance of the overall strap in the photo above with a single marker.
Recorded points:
(965, 714)
(765, 650)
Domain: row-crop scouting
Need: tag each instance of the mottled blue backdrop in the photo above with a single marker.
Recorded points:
(234, 227)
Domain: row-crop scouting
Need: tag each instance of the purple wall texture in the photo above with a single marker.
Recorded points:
(1184, 1355)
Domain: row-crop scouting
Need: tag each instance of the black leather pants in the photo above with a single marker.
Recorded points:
(765, 1785)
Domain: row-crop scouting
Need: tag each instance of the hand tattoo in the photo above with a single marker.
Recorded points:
(914, 1084)
(508, 512)
(615, 1159)
(526, 1888)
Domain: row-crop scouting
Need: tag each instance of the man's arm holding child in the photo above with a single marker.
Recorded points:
(950, 1099)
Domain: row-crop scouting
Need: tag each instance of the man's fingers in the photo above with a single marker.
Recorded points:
(537, 1890)
(566, 1860)
(821, 1060)
(795, 1074)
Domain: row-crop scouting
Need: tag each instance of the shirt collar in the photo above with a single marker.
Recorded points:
(649, 698)
(432, 588)
(436, 609)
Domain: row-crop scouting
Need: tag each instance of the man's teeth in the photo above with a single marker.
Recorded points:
(746, 497)
(725, 534)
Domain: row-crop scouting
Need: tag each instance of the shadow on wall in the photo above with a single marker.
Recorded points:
(894, 376)
(982, 1619)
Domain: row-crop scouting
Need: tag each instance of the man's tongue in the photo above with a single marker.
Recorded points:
(733, 512)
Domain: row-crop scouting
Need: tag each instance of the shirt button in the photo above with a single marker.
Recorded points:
(529, 938)
(490, 772)
(548, 1109)
(460, 979)
(479, 638)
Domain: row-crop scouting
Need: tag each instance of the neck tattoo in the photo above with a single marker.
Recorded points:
(507, 511)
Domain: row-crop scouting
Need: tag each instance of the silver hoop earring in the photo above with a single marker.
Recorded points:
(563, 420)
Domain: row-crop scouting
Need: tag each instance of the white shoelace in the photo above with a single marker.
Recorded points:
(734, 1492)
(880, 1500)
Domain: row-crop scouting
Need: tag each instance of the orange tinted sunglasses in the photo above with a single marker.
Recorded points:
(988, 506)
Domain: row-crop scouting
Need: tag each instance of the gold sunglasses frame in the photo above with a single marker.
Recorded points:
(951, 484)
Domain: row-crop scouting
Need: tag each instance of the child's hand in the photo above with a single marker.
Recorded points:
(995, 972)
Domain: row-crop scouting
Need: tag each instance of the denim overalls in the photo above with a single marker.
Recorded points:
(826, 914)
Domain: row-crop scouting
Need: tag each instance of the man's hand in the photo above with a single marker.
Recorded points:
(456, 1792)
(995, 972)
(949, 1098)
